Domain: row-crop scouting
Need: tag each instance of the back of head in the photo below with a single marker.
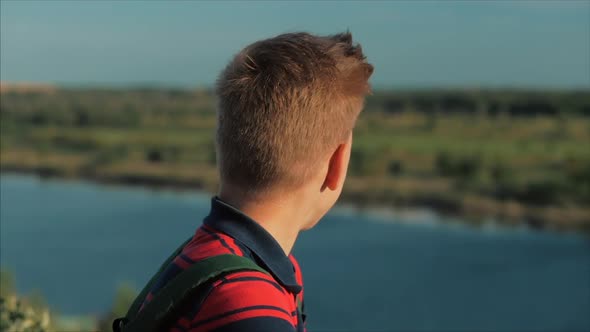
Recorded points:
(284, 104)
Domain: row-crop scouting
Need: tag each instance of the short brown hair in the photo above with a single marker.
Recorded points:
(283, 103)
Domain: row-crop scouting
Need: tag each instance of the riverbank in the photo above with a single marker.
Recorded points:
(363, 195)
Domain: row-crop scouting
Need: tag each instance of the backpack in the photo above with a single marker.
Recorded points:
(188, 285)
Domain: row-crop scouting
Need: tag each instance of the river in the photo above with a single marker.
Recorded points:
(76, 241)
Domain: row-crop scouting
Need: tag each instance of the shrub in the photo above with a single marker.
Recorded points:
(457, 166)
(21, 314)
(542, 192)
(16, 315)
(499, 172)
(396, 167)
(547, 191)
(365, 162)
(154, 155)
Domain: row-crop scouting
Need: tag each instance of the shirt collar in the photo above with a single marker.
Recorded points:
(231, 221)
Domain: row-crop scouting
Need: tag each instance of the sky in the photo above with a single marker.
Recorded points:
(412, 44)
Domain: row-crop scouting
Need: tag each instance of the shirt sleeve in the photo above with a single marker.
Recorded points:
(245, 301)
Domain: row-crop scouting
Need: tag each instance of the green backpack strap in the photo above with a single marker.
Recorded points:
(156, 314)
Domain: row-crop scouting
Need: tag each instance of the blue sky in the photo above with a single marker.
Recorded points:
(186, 43)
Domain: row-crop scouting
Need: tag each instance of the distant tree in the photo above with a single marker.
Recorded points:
(154, 155)
(448, 164)
(81, 117)
(394, 106)
(396, 167)
(531, 108)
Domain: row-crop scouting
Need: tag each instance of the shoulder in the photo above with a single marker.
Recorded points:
(246, 301)
(208, 242)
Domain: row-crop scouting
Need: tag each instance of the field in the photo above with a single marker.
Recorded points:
(513, 156)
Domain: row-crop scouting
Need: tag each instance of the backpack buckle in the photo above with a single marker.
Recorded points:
(119, 323)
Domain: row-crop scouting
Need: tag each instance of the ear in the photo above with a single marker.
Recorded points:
(337, 166)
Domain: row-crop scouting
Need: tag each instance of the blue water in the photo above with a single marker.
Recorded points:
(75, 242)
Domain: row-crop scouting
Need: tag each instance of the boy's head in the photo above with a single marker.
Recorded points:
(287, 107)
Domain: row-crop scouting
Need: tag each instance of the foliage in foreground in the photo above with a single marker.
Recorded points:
(21, 314)
(32, 314)
(16, 315)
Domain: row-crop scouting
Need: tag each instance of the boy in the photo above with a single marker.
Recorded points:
(287, 107)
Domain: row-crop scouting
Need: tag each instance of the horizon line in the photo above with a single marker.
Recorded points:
(24, 84)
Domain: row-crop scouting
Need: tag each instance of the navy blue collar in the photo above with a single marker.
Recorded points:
(231, 221)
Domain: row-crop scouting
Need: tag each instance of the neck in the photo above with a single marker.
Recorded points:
(278, 216)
